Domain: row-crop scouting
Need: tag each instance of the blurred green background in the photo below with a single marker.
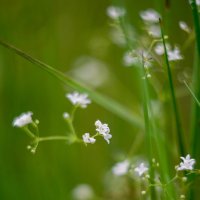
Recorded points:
(58, 33)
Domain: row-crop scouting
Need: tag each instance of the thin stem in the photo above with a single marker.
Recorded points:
(29, 133)
(174, 103)
(192, 93)
(41, 139)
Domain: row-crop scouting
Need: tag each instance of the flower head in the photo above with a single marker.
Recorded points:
(79, 99)
(121, 168)
(103, 130)
(159, 48)
(23, 119)
(87, 139)
(175, 54)
(154, 31)
(141, 169)
(115, 12)
(150, 16)
(187, 163)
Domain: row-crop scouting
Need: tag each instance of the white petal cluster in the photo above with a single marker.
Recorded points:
(184, 26)
(23, 120)
(130, 60)
(103, 130)
(115, 12)
(141, 169)
(175, 54)
(79, 99)
(121, 168)
(198, 2)
(150, 16)
(87, 139)
(154, 31)
(186, 164)
(159, 48)
(83, 192)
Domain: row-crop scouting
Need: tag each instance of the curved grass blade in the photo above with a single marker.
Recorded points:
(106, 102)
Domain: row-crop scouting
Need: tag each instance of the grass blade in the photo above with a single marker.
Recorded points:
(174, 103)
(106, 102)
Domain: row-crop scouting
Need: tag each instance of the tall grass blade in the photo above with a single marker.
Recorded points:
(174, 103)
(106, 102)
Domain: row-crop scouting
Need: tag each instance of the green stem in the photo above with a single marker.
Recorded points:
(174, 103)
(29, 133)
(41, 139)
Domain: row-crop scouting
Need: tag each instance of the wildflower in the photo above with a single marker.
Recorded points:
(115, 12)
(175, 54)
(187, 163)
(23, 120)
(87, 139)
(184, 26)
(141, 169)
(150, 16)
(159, 48)
(121, 168)
(79, 99)
(66, 115)
(103, 130)
(154, 31)
(129, 59)
(83, 192)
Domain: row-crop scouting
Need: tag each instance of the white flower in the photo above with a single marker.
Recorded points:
(150, 15)
(187, 163)
(154, 31)
(107, 137)
(87, 139)
(83, 192)
(23, 119)
(129, 59)
(198, 2)
(159, 48)
(115, 12)
(141, 169)
(79, 99)
(175, 54)
(103, 130)
(184, 26)
(121, 168)
(66, 115)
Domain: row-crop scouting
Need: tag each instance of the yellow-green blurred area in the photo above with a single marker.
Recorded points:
(60, 33)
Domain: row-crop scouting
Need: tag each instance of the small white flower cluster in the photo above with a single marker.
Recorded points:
(173, 54)
(141, 169)
(137, 58)
(151, 19)
(78, 99)
(150, 16)
(115, 12)
(123, 167)
(186, 164)
(197, 2)
(23, 120)
(102, 130)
